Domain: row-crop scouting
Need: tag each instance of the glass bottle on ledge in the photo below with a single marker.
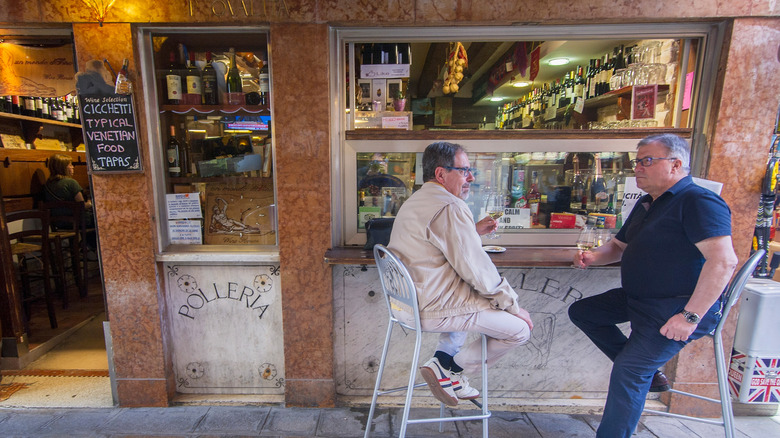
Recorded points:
(172, 154)
(209, 83)
(173, 81)
(233, 82)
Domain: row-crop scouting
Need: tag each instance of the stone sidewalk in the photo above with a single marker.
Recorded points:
(266, 421)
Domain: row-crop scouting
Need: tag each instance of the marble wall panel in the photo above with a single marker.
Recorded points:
(558, 362)
(302, 154)
(402, 12)
(125, 219)
(226, 329)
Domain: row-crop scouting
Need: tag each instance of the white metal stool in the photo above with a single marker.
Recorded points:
(729, 298)
(400, 293)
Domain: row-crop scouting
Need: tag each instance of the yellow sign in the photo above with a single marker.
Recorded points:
(36, 71)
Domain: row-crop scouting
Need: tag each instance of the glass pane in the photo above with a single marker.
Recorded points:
(541, 190)
(596, 84)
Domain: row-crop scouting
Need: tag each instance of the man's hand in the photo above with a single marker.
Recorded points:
(486, 225)
(525, 316)
(678, 328)
(583, 259)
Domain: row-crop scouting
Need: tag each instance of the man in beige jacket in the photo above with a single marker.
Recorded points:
(459, 289)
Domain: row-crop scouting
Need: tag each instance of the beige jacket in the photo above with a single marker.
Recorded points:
(434, 234)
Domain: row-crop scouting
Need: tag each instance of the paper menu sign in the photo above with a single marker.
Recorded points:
(632, 193)
(183, 206)
(185, 232)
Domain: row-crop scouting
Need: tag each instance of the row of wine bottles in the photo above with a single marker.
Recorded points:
(549, 97)
(386, 53)
(186, 84)
(63, 109)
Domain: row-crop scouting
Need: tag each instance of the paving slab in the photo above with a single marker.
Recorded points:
(233, 419)
(291, 422)
(175, 420)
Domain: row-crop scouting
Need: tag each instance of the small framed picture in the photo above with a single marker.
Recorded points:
(393, 88)
(364, 91)
(379, 93)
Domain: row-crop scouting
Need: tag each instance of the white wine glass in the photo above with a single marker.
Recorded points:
(587, 239)
(494, 207)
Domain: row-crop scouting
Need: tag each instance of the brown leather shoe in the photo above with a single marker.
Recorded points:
(660, 383)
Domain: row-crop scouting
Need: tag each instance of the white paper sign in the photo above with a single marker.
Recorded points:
(183, 206)
(515, 219)
(395, 122)
(185, 232)
(633, 193)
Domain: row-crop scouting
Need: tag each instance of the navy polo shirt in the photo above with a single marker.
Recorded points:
(661, 264)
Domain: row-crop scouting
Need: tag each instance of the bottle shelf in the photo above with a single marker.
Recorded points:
(39, 120)
(214, 109)
(611, 98)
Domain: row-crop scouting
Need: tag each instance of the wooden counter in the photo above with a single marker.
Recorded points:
(515, 256)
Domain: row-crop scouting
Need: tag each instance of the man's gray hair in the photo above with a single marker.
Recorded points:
(675, 145)
(439, 154)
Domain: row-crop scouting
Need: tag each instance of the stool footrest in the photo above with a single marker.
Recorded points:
(686, 417)
(441, 419)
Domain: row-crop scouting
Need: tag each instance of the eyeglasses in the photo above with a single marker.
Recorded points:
(463, 170)
(648, 161)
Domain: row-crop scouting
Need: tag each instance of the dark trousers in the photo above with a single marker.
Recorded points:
(636, 357)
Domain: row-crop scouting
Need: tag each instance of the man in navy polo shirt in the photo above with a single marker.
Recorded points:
(676, 259)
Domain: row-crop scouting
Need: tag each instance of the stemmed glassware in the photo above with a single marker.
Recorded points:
(494, 207)
(587, 238)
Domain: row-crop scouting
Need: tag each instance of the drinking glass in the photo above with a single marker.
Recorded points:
(586, 239)
(494, 207)
(602, 236)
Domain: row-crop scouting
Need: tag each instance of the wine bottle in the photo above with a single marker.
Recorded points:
(598, 188)
(577, 186)
(233, 81)
(579, 85)
(173, 81)
(172, 154)
(193, 82)
(209, 82)
(15, 107)
(46, 109)
(38, 106)
(29, 106)
(5, 105)
(534, 198)
(264, 85)
(122, 85)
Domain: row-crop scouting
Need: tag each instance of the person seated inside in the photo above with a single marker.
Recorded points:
(60, 186)
(459, 289)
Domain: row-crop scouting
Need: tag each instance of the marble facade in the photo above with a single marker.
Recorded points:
(742, 115)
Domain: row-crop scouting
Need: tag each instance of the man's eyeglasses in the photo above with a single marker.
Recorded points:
(648, 161)
(463, 170)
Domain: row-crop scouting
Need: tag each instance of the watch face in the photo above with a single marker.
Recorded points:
(691, 317)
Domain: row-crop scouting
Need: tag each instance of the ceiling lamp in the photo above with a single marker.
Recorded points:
(496, 99)
(521, 84)
(558, 61)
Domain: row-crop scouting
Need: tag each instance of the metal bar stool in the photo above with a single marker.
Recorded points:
(400, 293)
(728, 299)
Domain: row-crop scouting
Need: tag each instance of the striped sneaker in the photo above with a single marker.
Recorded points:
(460, 384)
(438, 380)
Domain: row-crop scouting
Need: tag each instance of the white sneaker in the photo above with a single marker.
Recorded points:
(438, 380)
(460, 384)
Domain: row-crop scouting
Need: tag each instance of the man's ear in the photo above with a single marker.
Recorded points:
(439, 173)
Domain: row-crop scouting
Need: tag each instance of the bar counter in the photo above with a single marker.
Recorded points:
(514, 256)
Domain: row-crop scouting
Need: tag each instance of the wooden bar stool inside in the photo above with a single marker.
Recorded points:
(27, 245)
(68, 223)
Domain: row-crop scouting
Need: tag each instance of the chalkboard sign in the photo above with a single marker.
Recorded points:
(108, 122)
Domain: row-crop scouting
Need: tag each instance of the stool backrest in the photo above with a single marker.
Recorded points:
(399, 291)
(65, 214)
(737, 284)
(41, 217)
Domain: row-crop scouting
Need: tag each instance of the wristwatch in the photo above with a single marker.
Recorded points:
(691, 317)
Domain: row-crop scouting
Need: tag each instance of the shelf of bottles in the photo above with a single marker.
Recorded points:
(213, 97)
(62, 111)
(606, 81)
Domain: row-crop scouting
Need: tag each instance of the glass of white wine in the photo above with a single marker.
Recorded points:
(494, 207)
(586, 239)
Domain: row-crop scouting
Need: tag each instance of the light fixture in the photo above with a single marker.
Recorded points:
(558, 61)
(496, 99)
(521, 84)
(99, 8)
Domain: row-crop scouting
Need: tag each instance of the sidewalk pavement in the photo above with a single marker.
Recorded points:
(267, 421)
